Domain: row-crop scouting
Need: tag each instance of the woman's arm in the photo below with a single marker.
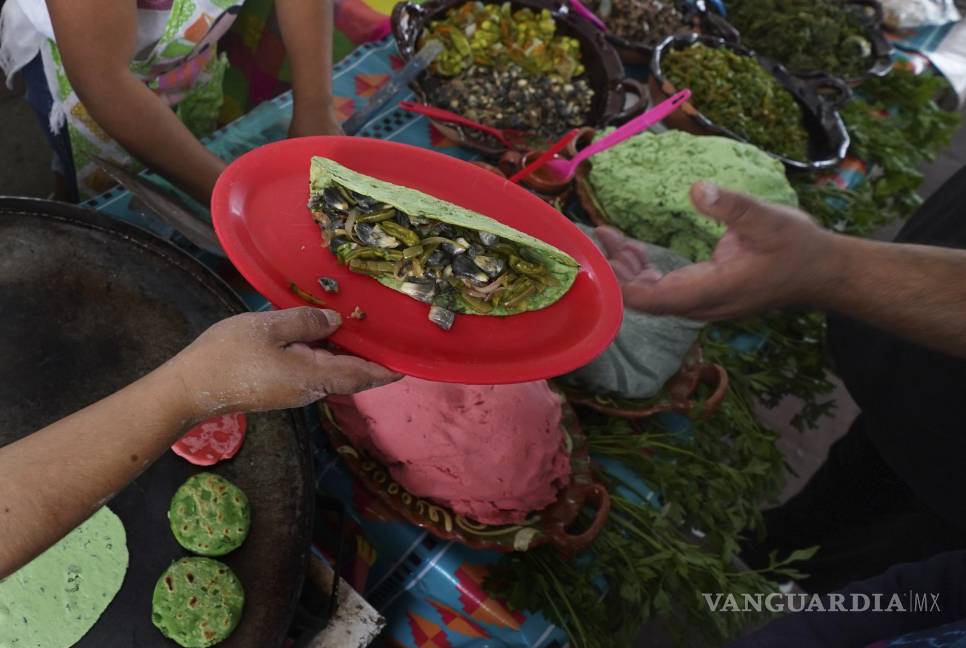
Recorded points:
(306, 27)
(52, 480)
(97, 39)
(774, 256)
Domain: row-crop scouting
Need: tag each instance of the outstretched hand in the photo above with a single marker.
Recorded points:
(265, 361)
(771, 256)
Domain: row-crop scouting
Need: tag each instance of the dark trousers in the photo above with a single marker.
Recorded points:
(864, 517)
(892, 490)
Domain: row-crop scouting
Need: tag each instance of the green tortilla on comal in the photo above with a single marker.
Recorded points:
(55, 599)
(197, 602)
(209, 515)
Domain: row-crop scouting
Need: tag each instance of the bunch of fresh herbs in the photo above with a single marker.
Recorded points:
(896, 126)
(658, 553)
(773, 356)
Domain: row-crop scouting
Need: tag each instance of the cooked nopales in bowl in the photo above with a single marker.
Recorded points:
(454, 259)
(493, 454)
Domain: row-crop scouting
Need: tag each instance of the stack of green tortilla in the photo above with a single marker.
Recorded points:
(642, 186)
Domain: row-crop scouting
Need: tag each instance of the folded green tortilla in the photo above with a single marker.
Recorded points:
(561, 266)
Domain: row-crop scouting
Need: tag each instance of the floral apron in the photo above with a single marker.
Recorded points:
(183, 68)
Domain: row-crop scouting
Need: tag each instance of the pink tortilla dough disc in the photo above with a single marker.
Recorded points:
(213, 440)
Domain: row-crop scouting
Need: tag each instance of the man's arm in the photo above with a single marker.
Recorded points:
(97, 40)
(306, 27)
(915, 291)
(52, 480)
(773, 256)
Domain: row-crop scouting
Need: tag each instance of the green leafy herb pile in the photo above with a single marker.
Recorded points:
(895, 126)
(806, 36)
(735, 92)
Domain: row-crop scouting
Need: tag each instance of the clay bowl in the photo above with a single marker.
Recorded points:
(511, 162)
(553, 193)
(616, 98)
(581, 183)
(551, 526)
(678, 395)
(541, 183)
(819, 97)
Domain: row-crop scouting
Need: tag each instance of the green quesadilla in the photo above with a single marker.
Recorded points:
(454, 259)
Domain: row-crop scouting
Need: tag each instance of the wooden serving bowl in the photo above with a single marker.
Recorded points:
(679, 393)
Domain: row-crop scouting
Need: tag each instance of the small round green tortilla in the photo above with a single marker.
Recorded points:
(55, 599)
(209, 515)
(197, 602)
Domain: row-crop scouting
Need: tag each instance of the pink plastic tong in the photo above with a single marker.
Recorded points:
(564, 170)
(509, 137)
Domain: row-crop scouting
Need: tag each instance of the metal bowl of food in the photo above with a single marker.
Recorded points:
(636, 27)
(818, 141)
(614, 97)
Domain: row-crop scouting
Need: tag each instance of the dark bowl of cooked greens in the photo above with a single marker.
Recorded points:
(739, 94)
(636, 27)
(842, 38)
(525, 65)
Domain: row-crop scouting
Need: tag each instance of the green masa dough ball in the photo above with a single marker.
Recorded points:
(197, 602)
(643, 186)
(209, 515)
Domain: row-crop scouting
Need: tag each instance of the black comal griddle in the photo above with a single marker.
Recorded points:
(87, 305)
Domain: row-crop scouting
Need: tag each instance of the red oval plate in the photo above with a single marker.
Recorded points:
(260, 215)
